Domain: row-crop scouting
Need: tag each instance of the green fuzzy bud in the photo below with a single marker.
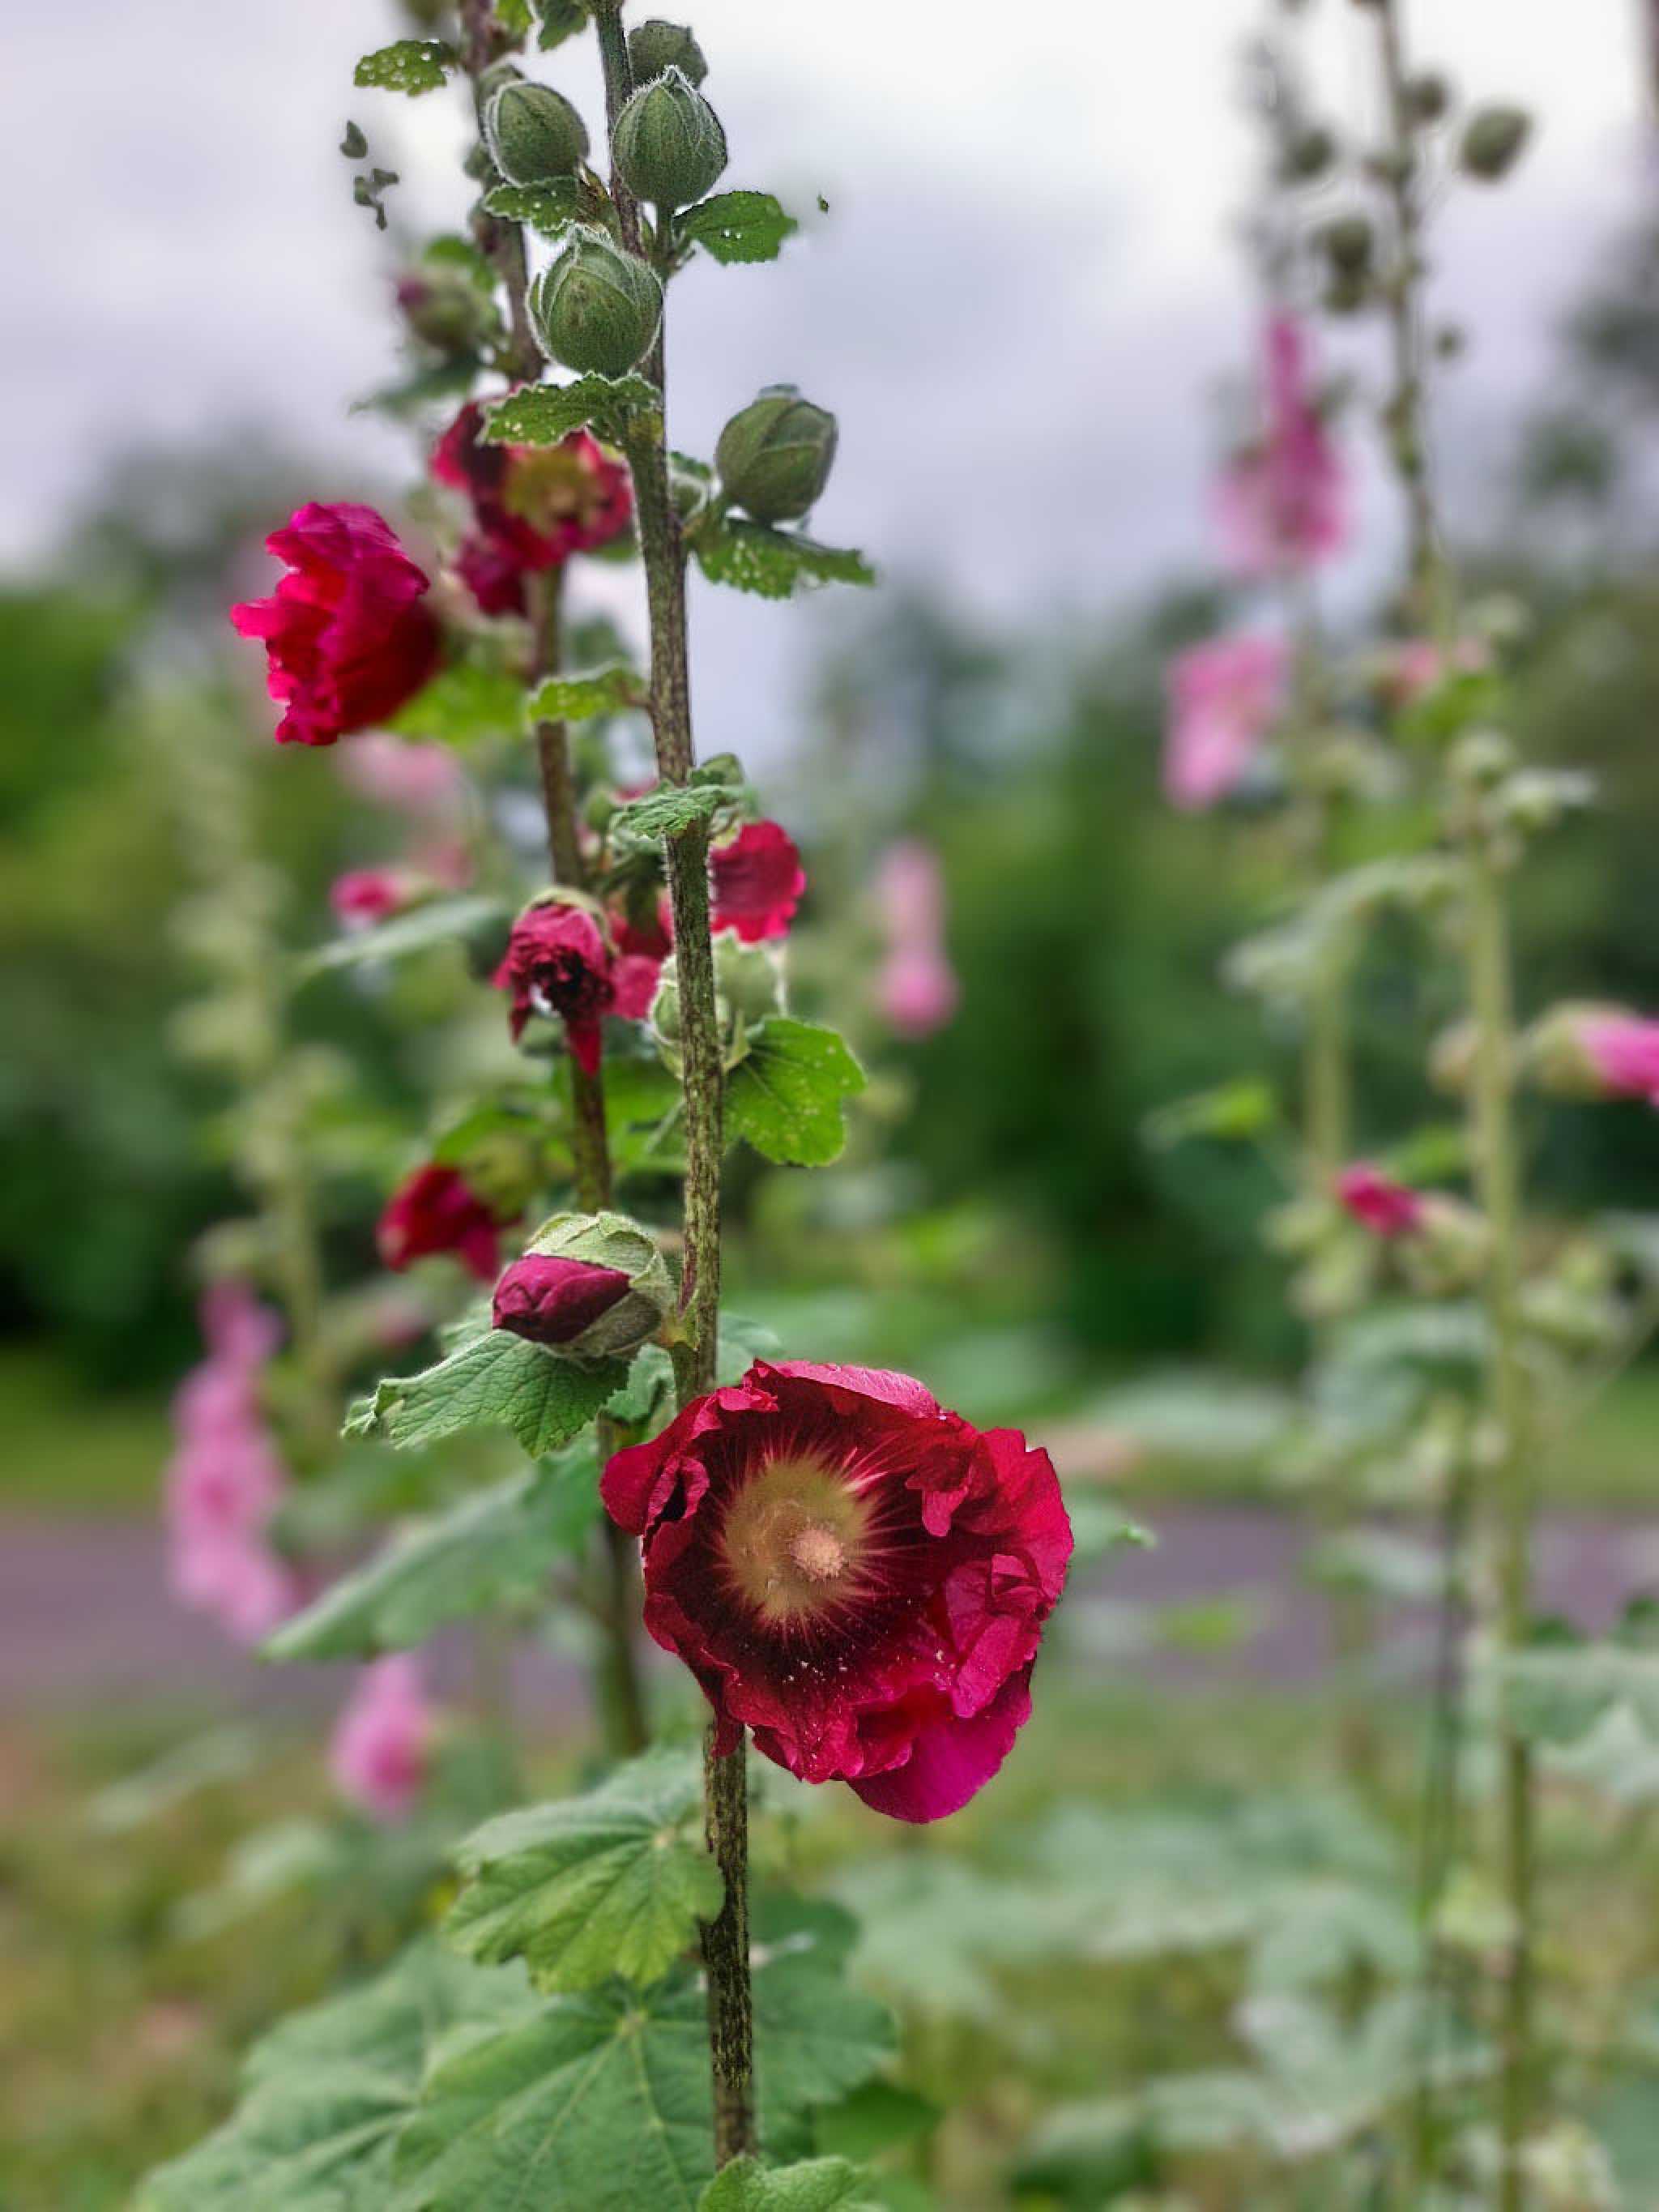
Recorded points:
(597, 308)
(533, 133)
(611, 1240)
(655, 47)
(1307, 155)
(775, 456)
(748, 978)
(1492, 143)
(1428, 96)
(666, 1021)
(1347, 243)
(668, 143)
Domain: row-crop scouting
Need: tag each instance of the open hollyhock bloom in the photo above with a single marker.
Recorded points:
(1377, 1202)
(348, 635)
(756, 882)
(1224, 697)
(1283, 501)
(533, 505)
(434, 1211)
(560, 960)
(852, 1572)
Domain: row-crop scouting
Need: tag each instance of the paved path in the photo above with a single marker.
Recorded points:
(85, 1616)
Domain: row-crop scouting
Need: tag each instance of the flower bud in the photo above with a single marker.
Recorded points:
(1307, 155)
(1585, 1049)
(1347, 243)
(748, 977)
(655, 47)
(1452, 1056)
(597, 308)
(445, 309)
(1428, 96)
(533, 133)
(668, 143)
(590, 1285)
(774, 457)
(1492, 143)
(665, 1020)
(1449, 1247)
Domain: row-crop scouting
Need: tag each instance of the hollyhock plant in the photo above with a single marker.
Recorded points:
(435, 1210)
(349, 637)
(1223, 698)
(559, 960)
(917, 988)
(382, 1742)
(757, 881)
(852, 1572)
(1378, 1202)
(533, 505)
(1282, 502)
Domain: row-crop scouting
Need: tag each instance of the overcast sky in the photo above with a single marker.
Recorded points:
(1020, 304)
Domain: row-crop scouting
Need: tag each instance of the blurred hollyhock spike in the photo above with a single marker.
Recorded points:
(433, 1212)
(1377, 1202)
(1283, 501)
(757, 881)
(381, 1746)
(560, 961)
(349, 637)
(533, 505)
(1223, 699)
(852, 1572)
(917, 988)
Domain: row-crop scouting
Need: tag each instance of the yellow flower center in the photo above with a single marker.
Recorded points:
(794, 1540)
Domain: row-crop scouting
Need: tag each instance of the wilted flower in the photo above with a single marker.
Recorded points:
(1379, 1203)
(560, 961)
(852, 1572)
(1282, 501)
(757, 881)
(1223, 699)
(348, 636)
(435, 1210)
(533, 505)
(382, 1740)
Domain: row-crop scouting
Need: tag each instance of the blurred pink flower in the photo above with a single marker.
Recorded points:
(1412, 665)
(917, 989)
(1377, 1202)
(363, 897)
(422, 779)
(1623, 1051)
(1223, 698)
(1282, 500)
(382, 1740)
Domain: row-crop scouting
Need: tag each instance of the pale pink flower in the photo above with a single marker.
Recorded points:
(1377, 1202)
(917, 989)
(363, 897)
(382, 1740)
(415, 778)
(1282, 500)
(918, 992)
(1623, 1050)
(1223, 699)
(1411, 665)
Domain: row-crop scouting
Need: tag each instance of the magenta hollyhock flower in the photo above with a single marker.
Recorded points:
(349, 637)
(552, 1300)
(382, 1740)
(1382, 1204)
(917, 988)
(757, 881)
(560, 961)
(533, 505)
(363, 897)
(1623, 1051)
(1282, 502)
(435, 1210)
(852, 1572)
(1223, 699)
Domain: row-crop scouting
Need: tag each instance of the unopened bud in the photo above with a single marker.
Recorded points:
(597, 308)
(1307, 155)
(1584, 1048)
(533, 133)
(1428, 96)
(668, 143)
(1451, 1058)
(775, 456)
(748, 977)
(655, 47)
(1492, 143)
(1481, 759)
(445, 310)
(1347, 244)
(589, 1286)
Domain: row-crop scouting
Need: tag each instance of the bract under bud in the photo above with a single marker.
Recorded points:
(533, 133)
(589, 1286)
(1492, 143)
(654, 47)
(668, 143)
(597, 308)
(774, 457)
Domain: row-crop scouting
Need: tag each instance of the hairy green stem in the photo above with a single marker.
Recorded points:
(725, 1938)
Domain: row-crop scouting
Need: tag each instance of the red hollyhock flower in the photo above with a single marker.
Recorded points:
(758, 881)
(1376, 1200)
(852, 1572)
(435, 1210)
(559, 961)
(348, 636)
(534, 504)
(552, 1300)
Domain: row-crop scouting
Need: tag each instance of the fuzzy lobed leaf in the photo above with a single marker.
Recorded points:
(785, 1099)
(668, 809)
(579, 698)
(409, 65)
(774, 563)
(494, 1380)
(819, 2184)
(737, 227)
(548, 210)
(463, 704)
(545, 414)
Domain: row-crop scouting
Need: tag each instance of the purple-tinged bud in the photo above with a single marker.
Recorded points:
(590, 1286)
(553, 1301)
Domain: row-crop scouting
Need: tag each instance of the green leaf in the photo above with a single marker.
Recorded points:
(602, 2103)
(549, 209)
(1234, 1113)
(738, 226)
(1556, 1689)
(463, 704)
(545, 414)
(785, 1099)
(496, 1381)
(668, 809)
(612, 1883)
(822, 2184)
(412, 65)
(579, 698)
(775, 564)
(440, 921)
(491, 1551)
(325, 2094)
(559, 19)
